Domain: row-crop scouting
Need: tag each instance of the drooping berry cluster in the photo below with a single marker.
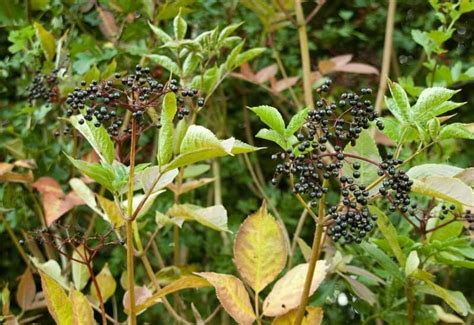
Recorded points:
(44, 87)
(318, 157)
(469, 217)
(104, 103)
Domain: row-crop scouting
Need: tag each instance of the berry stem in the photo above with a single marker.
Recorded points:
(315, 252)
(130, 220)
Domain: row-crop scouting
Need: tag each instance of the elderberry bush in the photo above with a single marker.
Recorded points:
(104, 103)
(315, 162)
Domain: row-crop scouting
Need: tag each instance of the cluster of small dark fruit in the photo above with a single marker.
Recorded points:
(469, 217)
(318, 156)
(43, 86)
(104, 103)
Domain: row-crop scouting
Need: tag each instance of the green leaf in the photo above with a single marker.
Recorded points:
(274, 136)
(92, 74)
(97, 137)
(455, 299)
(398, 105)
(165, 62)
(457, 131)
(46, 40)
(432, 102)
(232, 57)
(80, 272)
(271, 117)
(248, 55)
(165, 141)
(240, 147)
(433, 170)
(179, 26)
(434, 126)
(59, 305)
(413, 261)
(365, 147)
(360, 290)
(190, 64)
(20, 38)
(386, 262)
(195, 170)
(227, 31)
(214, 217)
(162, 36)
(389, 232)
(103, 176)
(296, 122)
(446, 188)
(450, 231)
(149, 176)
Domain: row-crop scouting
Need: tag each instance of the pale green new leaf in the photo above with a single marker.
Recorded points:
(274, 136)
(296, 122)
(80, 273)
(432, 102)
(413, 261)
(46, 40)
(165, 141)
(271, 117)
(179, 26)
(165, 62)
(457, 131)
(248, 55)
(97, 137)
(164, 38)
(398, 105)
(433, 170)
(446, 188)
(214, 217)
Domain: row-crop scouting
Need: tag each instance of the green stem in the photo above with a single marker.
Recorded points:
(410, 301)
(305, 60)
(15, 240)
(315, 252)
(130, 246)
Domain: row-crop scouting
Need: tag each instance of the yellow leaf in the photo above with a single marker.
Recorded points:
(232, 295)
(107, 284)
(314, 316)
(112, 212)
(260, 249)
(59, 305)
(82, 313)
(185, 282)
(286, 293)
(46, 40)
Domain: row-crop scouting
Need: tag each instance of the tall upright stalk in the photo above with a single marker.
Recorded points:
(315, 252)
(305, 60)
(130, 220)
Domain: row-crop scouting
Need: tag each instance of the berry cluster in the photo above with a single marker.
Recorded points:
(318, 157)
(44, 86)
(469, 217)
(398, 181)
(104, 103)
(352, 224)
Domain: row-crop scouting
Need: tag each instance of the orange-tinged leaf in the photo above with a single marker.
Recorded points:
(266, 73)
(59, 305)
(5, 168)
(26, 292)
(232, 295)
(360, 68)
(283, 84)
(82, 313)
(260, 249)
(185, 282)
(12, 177)
(106, 282)
(48, 185)
(108, 26)
(326, 66)
(286, 293)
